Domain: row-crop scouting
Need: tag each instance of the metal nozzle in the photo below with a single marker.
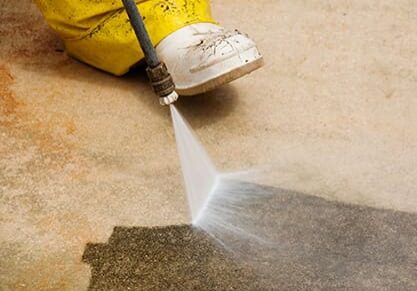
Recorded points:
(161, 80)
(162, 84)
(168, 100)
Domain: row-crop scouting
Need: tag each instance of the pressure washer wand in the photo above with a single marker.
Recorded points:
(161, 81)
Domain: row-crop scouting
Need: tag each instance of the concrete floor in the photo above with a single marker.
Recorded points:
(304, 243)
(332, 114)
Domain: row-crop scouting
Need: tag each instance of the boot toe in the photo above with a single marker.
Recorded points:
(205, 56)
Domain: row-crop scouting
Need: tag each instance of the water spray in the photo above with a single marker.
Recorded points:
(217, 205)
(200, 175)
(161, 80)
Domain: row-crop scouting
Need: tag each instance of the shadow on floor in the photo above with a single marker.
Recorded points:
(265, 238)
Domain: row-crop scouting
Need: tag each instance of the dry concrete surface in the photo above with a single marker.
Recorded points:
(90, 186)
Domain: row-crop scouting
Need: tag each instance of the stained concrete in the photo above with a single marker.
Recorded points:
(308, 243)
(165, 258)
(332, 114)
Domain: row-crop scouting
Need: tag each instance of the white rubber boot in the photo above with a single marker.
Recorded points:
(203, 56)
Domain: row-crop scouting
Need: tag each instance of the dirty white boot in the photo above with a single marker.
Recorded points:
(203, 56)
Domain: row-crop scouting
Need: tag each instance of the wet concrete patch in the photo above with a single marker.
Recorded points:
(302, 243)
(166, 258)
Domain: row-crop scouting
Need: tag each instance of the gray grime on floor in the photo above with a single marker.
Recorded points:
(163, 258)
(312, 243)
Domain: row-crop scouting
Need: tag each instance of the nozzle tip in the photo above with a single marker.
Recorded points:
(169, 99)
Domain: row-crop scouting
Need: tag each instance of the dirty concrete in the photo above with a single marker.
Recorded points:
(332, 114)
(164, 258)
(313, 244)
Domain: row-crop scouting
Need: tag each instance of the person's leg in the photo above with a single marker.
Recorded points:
(199, 54)
(99, 33)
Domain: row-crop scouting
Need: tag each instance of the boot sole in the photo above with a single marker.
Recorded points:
(223, 78)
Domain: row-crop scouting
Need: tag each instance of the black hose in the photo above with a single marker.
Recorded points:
(161, 81)
(141, 33)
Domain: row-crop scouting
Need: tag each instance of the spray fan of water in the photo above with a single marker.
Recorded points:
(200, 175)
(291, 240)
(232, 212)
(215, 200)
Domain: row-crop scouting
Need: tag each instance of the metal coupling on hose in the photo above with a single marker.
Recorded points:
(162, 84)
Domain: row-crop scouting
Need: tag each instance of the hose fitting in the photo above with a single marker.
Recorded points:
(162, 84)
(158, 74)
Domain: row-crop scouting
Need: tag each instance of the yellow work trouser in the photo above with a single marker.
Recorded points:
(98, 32)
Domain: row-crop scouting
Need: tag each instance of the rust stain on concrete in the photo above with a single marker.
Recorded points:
(51, 134)
(27, 36)
(9, 104)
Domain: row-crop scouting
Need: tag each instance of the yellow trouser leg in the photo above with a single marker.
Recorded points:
(99, 33)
